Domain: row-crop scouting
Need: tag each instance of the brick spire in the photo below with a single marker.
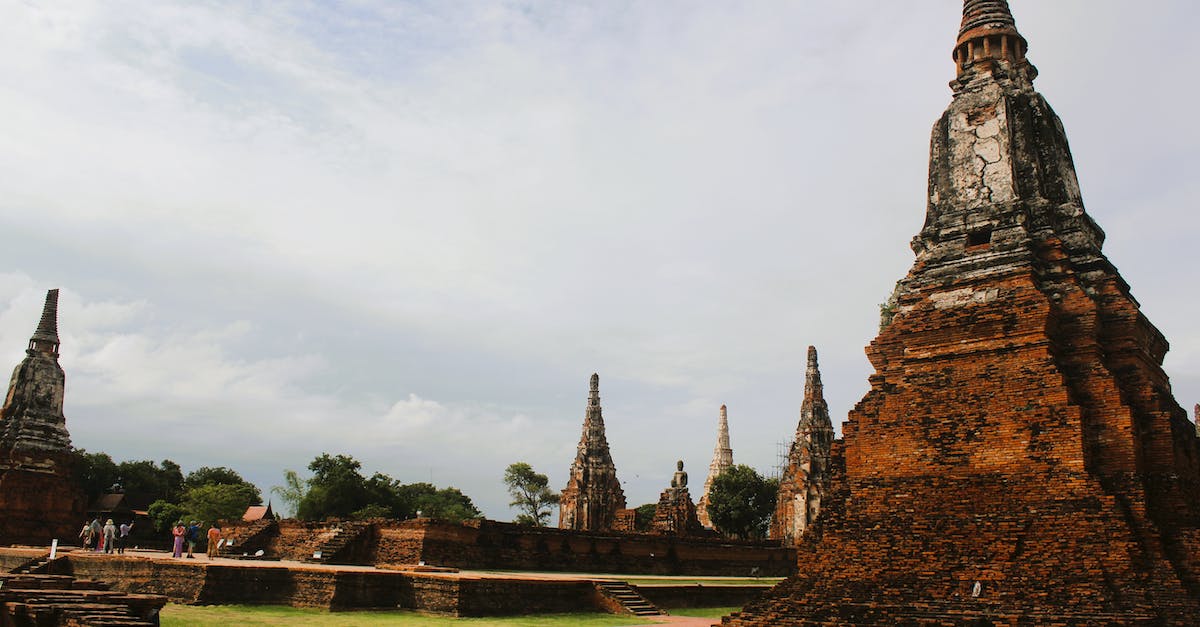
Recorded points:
(593, 494)
(722, 459)
(31, 418)
(45, 338)
(988, 34)
(805, 481)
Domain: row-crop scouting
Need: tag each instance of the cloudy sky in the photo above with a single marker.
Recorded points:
(409, 231)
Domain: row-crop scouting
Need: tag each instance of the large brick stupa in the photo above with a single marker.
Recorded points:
(39, 497)
(1019, 458)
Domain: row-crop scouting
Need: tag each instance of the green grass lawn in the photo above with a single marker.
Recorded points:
(174, 615)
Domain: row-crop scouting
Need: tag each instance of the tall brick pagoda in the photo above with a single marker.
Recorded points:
(39, 498)
(806, 479)
(593, 495)
(722, 459)
(1019, 458)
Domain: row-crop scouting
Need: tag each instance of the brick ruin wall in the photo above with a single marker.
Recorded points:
(495, 545)
(949, 458)
(201, 583)
(39, 499)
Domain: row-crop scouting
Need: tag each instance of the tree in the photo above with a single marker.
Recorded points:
(151, 481)
(164, 514)
(448, 504)
(531, 494)
(336, 489)
(643, 515)
(219, 501)
(96, 472)
(741, 502)
(292, 491)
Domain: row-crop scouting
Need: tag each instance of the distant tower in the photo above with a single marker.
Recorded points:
(806, 479)
(722, 459)
(38, 494)
(593, 495)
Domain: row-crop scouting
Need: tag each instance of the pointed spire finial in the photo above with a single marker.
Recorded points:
(594, 385)
(988, 33)
(45, 338)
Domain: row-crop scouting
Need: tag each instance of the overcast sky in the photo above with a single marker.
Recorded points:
(410, 231)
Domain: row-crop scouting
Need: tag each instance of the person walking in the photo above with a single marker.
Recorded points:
(123, 539)
(110, 536)
(97, 534)
(214, 541)
(193, 537)
(178, 531)
(85, 535)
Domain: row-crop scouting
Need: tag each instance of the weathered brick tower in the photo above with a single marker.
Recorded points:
(805, 481)
(593, 495)
(1019, 458)
(39, 498)
(722, 459)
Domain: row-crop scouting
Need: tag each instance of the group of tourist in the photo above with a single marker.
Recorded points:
(191, 535)
(108, 537)
(112, 538)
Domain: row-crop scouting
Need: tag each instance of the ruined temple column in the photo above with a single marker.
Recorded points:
(1019, 458)
(39, 498)
(593, 495)
(722, 459)
(806, 478)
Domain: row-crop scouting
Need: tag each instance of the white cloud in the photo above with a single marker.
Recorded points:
(410, 231)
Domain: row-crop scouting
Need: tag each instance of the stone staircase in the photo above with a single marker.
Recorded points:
(37, 565)
(330, 550)
(64, 601)
(629, 598)
(250, 539)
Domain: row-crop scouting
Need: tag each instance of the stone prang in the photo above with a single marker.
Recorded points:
(806, 479)
(593, 495)
(39, 495)
(32, 416)
(1019, 458)
(722, 460)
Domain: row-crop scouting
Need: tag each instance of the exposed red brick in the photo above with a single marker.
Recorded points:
(1019, 458)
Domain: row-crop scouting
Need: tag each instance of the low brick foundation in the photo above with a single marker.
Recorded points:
(490, 545)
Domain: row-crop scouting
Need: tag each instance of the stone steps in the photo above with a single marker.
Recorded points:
(349, 532)
(629, 598)
(62, 600)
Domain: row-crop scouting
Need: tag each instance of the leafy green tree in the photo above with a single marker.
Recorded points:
(96, 472)
(643, 515)
(448, 504)
(151, 481)
(219, 501)
(206, 475)
(164, 514)
(741, 502)
(336, 489)
(374, 510)
(292, 492)
(531, 494)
